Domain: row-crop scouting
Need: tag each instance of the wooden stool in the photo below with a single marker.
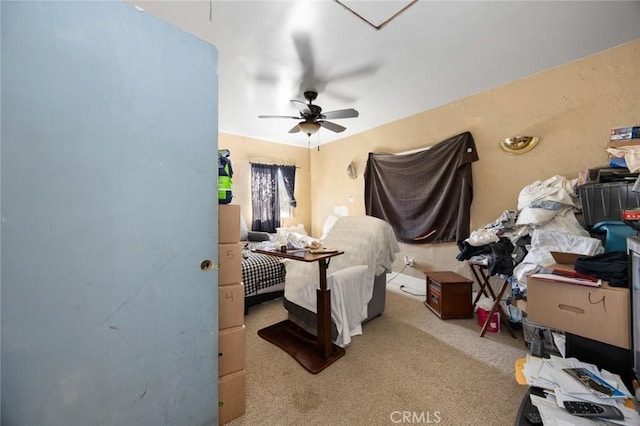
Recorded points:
(449, 295)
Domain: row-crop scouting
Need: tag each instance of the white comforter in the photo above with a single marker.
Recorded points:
(366, 241)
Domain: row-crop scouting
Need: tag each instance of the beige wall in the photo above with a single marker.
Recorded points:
(245, 151)
(571, 108)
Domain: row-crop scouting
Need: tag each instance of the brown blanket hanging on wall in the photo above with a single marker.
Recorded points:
(425, 196)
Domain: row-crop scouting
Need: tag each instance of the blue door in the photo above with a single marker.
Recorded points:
(109, 208)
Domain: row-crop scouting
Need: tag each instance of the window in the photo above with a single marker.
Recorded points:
(283, 198)
(272, 195)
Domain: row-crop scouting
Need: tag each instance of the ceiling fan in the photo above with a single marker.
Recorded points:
(312, 118)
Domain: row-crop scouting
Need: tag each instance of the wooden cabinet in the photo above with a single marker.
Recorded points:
(449, 295)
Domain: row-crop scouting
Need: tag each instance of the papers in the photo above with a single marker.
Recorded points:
(550, 374)
(567, 276)
(552, 412)
(322, 251)
(297, 250)
(564, 278)
(553, 415)
(293, 251)
(595, 384)
(560, 340)
(559, 386)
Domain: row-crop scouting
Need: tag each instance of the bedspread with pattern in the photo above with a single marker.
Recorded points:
(261, 271)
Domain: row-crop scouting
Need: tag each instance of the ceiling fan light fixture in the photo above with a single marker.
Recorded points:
(309, 127)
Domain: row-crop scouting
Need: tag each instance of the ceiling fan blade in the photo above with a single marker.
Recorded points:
(340, 96)
(355, 72)
(279, 116)
(332, 126)
(341, 113)
(302, 43)
(295, 129)
(304, 108)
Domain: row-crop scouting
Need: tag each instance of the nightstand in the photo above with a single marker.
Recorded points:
(449, 295)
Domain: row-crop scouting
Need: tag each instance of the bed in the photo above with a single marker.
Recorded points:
(262, 275)
(369, 244)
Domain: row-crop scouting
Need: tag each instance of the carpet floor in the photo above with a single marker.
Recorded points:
(408, 366)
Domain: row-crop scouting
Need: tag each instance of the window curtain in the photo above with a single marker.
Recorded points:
(425, 196)
(264, 198)
(289, 178)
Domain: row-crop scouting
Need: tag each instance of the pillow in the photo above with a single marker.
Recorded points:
(258, 236)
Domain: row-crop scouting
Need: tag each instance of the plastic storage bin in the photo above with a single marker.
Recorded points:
(615, 235)
(604, 202)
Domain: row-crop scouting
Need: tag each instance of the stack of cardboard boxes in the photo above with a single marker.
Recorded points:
(231, 333)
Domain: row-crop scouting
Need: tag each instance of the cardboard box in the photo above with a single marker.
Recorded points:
(232, 395)
(231, 350)
(623, 142)
(521, 304)
(622, 133)
(229, 263)
(228, 223)
(598, 313)
(230, 306)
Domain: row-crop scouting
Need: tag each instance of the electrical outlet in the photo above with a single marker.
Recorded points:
(408, 261)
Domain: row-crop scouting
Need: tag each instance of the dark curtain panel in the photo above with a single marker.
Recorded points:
(289, 177)
(425, 196)
(264, 198)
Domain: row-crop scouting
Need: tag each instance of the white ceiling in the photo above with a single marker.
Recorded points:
(429, 55)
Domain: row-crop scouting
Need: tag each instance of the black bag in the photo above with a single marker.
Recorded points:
(612, 266)
(501, 261)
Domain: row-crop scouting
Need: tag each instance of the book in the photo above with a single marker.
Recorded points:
(594, 383)
(559, 277)
(622, 133)
(631, 214)
(573, 274)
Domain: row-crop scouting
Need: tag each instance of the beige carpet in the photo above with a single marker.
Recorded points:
(407, 363)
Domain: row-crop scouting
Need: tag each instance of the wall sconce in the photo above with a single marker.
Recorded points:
(519, 144)
(351, 171)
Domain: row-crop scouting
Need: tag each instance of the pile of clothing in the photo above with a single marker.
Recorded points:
(521, 240)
